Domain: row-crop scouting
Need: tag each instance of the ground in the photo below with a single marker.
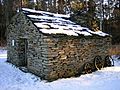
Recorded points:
(11, 78)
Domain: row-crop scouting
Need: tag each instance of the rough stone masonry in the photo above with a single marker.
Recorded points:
(51, 56)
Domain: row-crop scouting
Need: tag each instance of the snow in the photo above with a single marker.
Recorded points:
(99, 33)
(59, 31)
(51, 18)
(11, 78)
(45, 13)
(51, 23)
(3, 54)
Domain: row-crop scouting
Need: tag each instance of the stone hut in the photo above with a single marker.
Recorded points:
(51, 46)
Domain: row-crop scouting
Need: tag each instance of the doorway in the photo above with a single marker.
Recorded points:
(22, 51)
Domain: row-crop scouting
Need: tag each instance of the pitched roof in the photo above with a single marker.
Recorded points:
(51, 23)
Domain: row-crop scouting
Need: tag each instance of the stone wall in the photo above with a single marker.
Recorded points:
(52, 56)
(67, 55)
(20, 27)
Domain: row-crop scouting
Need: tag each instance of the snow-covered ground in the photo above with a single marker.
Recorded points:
(11, 78)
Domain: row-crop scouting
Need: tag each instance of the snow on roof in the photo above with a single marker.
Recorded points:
(45, 13)
(51, 23)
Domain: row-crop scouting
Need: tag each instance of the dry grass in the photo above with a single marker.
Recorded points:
(115, 50)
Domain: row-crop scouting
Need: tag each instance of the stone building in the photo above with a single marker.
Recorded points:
(51, 46)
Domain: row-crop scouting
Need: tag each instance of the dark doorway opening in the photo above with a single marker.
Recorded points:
(22, 45)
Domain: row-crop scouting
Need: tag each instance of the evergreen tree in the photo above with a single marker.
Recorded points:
(84, 14)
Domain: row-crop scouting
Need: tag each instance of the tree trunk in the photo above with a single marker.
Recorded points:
(61, 6)
(43, 5)
(8, 10)
(54, 6)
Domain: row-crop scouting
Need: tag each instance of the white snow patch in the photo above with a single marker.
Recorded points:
(3, 53)
(59, 31)
(46, 13)
(100, 33)
(11, 78)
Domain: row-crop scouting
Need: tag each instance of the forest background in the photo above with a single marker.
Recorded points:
(97, 15)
